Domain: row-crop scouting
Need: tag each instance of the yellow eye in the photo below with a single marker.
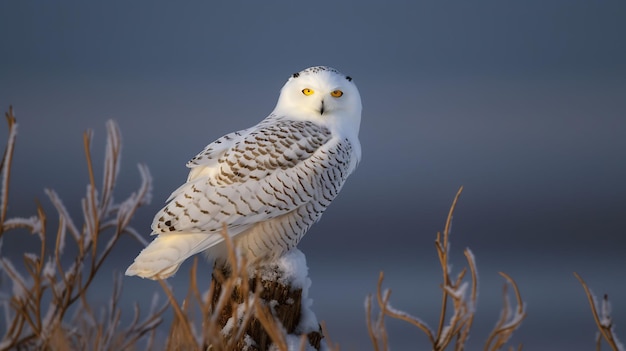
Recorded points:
(336, 93)
(307, 91)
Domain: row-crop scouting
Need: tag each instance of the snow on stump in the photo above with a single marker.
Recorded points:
(281, 287)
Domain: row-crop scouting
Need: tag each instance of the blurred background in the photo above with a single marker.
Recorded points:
(522, 103)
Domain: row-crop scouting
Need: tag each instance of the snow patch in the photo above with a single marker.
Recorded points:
(241, 311)
(291, 270)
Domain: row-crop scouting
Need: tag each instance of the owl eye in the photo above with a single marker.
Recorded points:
(336, 93)
(307, 91)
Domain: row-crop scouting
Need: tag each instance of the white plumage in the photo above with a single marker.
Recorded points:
(268, 183)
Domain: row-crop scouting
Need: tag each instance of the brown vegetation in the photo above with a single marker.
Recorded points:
(48, 308)
(455, 291)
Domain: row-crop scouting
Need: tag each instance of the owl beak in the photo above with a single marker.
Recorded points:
(322, 108)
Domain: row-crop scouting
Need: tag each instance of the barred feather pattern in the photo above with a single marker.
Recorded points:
(269, 187)
(268, 184)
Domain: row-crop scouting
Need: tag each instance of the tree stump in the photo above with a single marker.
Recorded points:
(282, 286)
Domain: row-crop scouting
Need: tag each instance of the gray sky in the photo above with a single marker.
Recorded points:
(523, 103)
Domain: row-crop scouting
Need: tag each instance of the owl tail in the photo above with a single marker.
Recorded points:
(162, 258)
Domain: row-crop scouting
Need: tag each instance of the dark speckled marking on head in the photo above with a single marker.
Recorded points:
(317, 69)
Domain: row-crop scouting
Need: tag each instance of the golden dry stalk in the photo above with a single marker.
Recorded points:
(453, 327)
(602, 318)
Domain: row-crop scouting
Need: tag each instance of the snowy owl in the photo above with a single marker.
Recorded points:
(267, 184)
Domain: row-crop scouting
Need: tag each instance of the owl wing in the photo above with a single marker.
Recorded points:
(248, 177)
(254, 175)
(208, 158)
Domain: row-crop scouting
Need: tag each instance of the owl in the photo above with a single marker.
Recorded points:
(267, 184)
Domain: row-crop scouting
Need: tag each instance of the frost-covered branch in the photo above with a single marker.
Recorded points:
(510, 319)
(462, 296)
(5, 167)
(603, 318)
(45, 290)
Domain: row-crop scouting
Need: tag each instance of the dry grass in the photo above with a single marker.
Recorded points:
(231, 312)
(603, 319)
(48, 307)
(203, 332)
(46, 304)
(453, 328)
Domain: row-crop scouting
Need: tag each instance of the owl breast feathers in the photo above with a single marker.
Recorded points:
(267, 184)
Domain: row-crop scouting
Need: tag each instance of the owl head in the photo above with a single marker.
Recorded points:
(323, 95)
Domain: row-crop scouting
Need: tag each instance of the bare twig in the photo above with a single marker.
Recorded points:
(464, 332)
(443, 250)
(455, 293)
(372, 329)
(509, 320)
(602, 319)
(331, 345)
(37, 310)
(5, 166)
